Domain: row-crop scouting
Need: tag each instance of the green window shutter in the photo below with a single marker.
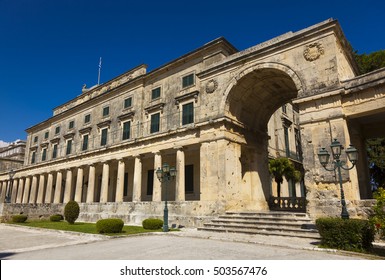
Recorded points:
(69, 147)
(128, 102)
(126, 130)
(155, 123)
(103, 140)
(54, 152)
(188, 113)
(85, 142)
(155, 93)
(106, 111)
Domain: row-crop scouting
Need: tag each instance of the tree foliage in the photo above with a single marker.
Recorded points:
(375, 149)
(281, 168)
(370, 62)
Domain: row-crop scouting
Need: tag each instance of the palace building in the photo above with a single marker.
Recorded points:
(217, 115)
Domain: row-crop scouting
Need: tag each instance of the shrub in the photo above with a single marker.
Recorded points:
(71, 211)
(152, 224)
(56, 218)
(346, 234)
(378, 217)
(109, 226)
(19, 218)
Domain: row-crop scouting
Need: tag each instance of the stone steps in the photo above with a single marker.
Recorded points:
(266, 223)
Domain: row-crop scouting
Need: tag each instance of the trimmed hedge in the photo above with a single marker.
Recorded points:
(152, 224)
(56, 218)
(346, 234)
(19, 218)
(71, 211)
(109, 225)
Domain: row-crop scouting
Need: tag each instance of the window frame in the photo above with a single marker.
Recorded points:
(125, 132)
(186, 80)
(106, 111)
(158, 91)
(103, 138)
(158, 126)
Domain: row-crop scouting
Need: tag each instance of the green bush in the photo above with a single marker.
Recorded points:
(346, 234)
(109, 226)
(152, 224)
(56, 218)
(71, 211)
(19, 218)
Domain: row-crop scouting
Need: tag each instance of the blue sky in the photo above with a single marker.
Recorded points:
(49, 49)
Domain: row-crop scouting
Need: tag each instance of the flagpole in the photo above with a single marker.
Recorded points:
(100, 67)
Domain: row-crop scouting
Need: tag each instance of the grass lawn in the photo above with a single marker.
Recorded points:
(81, 227)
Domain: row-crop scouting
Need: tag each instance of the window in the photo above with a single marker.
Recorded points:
(57, 130)
(284, 108)
(85, 142)
(44, 155)
(155, 93)
(188, 113)
(188, 80)
(126, 130)
(35, 139)
(103, 138)
(287, 145)
(87, 118)
(71, 125)
(189, 178)
(106, 111)
(54, 151)
(127, 102)
(33, 157)
(46, 135)
(155, 123)
(69, 147)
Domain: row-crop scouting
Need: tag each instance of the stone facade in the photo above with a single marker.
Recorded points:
(217, 114)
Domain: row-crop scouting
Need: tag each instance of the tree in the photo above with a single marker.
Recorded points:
(370, 62)
(283, 167)
(375, 149)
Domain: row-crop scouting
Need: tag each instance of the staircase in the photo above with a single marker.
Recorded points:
(268, 223)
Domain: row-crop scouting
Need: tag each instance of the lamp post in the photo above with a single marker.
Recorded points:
(11, 174)
(336, 148)
(165, 174)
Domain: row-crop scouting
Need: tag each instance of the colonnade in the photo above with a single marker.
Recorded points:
(60, 186)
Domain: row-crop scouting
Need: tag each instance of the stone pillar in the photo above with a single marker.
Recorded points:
(105, 177)
(91, 184)
(180, 176)
(40, 194)
(120, 181)
(68, 187)
(59, 179)
(3, 191)
(20, 191)
(27, 188)
(137, 188)
(157, 190)
(48, 194)
(79, 185)
(15, 184)
(32, 198)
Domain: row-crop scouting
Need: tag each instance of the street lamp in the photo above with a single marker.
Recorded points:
(11, 174)
(336, 148)
(165, 174)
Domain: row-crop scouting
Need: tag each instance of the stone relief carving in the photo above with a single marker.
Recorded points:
(313, 51)
(211, 86)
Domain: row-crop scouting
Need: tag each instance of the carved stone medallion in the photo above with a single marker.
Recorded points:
(211, 86)
(313, 51)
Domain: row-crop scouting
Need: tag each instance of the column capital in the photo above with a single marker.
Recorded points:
(180, 148)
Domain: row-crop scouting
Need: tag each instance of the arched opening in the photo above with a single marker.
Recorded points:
(254, 101)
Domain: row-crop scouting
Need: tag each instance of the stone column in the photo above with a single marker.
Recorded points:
(32, 198)
(3, 191)
(48, 194)
(157, 190)
(91, 184)
(59, 179)
(27, 187)
(120, 181)
(15, 184)
(68, 187)
(79, 185)
(180, 176)
(137, 188)
(20, 191)
(40, 194)
(105, 177)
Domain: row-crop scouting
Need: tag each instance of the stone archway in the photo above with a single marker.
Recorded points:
(250, 100)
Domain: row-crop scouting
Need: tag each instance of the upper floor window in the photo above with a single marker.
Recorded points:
(87, 118)
(106, 111)
(126, 130)
(54, 151)
(155, 93)
(44, 154)
(69, 146)
(188, 113)
(103, 138)
(85, 142)
(188, 80)
(127, 102)
(71, 124)
(46, 135)
(155, 123)
(33, 157)
(57, 130)
(35, 139)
